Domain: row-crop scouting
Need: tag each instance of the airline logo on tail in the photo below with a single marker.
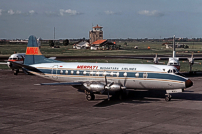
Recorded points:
(33, 51)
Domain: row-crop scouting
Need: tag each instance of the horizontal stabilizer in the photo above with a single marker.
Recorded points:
(62, 83)
(53, 58)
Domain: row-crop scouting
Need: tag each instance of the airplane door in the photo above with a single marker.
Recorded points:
(54, 72)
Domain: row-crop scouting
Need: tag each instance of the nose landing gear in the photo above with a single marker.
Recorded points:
(16, 71)
(168, 97)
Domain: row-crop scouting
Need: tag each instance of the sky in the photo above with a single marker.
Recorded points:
(73, 19)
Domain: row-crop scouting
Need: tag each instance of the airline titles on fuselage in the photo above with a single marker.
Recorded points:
(104, 68)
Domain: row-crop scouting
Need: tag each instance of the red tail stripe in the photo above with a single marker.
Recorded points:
(33, 51)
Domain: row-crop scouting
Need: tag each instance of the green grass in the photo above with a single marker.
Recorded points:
(4, 67)
(156, 47)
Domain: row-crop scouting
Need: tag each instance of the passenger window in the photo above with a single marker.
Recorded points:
(137, 75)
(77, 72)
(125, 74)
(97, 74)
(144, 75)
(91, 73)
(84, 73)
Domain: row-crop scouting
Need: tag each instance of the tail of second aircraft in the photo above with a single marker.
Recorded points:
(33, 54)
(174, 53)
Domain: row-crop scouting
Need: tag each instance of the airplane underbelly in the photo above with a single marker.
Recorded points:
(132, 84)
(154, 84)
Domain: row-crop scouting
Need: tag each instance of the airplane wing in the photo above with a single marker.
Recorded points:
(197, 58)
(186, 58)
(134, 57)
(3, 63)
(62, 83)
(150, 58)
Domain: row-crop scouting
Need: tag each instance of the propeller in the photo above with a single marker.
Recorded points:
(156, 59)
(107, 87)
(191, 61)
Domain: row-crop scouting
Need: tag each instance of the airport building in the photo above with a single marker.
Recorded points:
(96, 34)
(97, 42)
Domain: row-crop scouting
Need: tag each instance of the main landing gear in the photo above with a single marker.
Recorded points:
(89, 96)
(168, 97)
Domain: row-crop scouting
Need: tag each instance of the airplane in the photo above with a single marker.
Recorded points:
(172, 61)
(18, 58)
(102, 78)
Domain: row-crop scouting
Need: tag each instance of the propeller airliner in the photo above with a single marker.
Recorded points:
(102, 78)
(172, 61)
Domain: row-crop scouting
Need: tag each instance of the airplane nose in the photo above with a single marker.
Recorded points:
(188, 83)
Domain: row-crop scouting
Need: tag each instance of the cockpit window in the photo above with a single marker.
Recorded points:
(172, 71)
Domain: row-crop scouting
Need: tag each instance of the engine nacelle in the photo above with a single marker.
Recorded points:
(98, 87)
(95, 87)
(115, 87)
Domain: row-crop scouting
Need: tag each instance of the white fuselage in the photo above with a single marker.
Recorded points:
(135, 76)
(174, 61)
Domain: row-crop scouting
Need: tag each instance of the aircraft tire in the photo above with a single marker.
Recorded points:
(90, 97)
(168, 97)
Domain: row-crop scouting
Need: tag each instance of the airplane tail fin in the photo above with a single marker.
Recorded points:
(33, 53)
(174, 54)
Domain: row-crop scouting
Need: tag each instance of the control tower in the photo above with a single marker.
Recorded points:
(96, 34)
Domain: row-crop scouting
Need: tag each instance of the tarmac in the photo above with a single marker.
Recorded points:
(27, 108)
